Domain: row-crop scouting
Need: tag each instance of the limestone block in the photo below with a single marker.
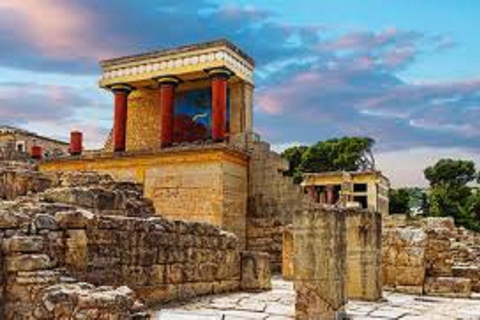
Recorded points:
(470, 272)
(448, 287)
(311, 303)
(45, 222)
(319, 263)
(28, 262)
(12, 220)
(287, 255)
(78, 219)
(256, 271)
(23, 244)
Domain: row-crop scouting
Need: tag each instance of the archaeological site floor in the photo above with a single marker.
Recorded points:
(278, 304)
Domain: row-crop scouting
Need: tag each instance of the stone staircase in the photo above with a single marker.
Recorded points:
(273, 201)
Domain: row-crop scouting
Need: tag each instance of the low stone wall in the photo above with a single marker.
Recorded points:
(86, 227)
(430, 256)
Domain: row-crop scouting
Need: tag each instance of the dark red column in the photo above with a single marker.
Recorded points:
(219, 79)
(36, 152)
(330, 194)
(121, 93)
(76, 141)
(167, 109)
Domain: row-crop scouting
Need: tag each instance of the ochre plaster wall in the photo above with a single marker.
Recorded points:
(202, 185)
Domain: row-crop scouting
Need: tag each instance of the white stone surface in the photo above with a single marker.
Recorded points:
(279, 304)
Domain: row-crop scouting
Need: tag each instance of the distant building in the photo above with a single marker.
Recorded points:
(15, 140)
(368, 189)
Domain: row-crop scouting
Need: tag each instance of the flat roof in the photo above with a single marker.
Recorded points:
(182, 49)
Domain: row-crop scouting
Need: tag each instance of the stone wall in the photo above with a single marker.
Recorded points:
(430, 256)
(86, 227)
(273, 200)
(202, 184)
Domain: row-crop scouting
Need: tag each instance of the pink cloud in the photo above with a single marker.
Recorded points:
(57, 28)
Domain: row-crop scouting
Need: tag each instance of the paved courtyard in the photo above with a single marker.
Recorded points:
(278, 304)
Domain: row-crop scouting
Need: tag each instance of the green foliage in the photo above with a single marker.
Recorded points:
(408, 201)
(451, 172)
(450, 194)
(345, 154)
(294, 156)
(399, 201)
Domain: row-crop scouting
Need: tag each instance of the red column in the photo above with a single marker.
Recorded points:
(76, 141)
(313, 193)
(219, 79)
(36, 152)
(330, 194)
(121, 93)
(167, 109)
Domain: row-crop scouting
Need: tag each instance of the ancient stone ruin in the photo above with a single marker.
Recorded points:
(185, 201)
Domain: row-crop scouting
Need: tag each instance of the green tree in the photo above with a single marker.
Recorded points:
(399, 201)
(450, 193)
(451, 172)
(345, 154)
(294, 156)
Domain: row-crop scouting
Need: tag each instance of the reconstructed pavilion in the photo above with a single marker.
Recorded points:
(181, 127)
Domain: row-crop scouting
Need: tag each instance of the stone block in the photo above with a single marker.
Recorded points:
(311, 303)
(448, 287)
(469, 272)
(256, 271)
(24, 244)
(29, 262)
(319, 236)
(78, 219)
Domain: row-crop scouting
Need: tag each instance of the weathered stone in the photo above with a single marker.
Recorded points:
(320, 268)
(45, 222)
(256, 271)
(28, 262)
(78, 219)
(23, 244)
(448, 287)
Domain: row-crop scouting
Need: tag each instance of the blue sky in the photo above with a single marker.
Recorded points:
(403, 72)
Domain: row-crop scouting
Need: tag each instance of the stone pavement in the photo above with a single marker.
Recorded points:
(278, 304)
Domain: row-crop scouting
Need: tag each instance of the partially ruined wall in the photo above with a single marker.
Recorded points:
(86, 227)
(273, 200)
(430, 256)
(319, 237)
(199, 184)
(364, 254)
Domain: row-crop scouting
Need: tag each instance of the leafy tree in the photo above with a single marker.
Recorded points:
(399, 201)
(294, 157)
(345, 154)
(450, 194)
(451, 172)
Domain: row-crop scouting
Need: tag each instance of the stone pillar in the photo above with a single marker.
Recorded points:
(330, 194)
(219, 78)
(256, 274)
(319, 242)
(287, 254)
(121, 93)
(364, 255)
(167, 109)
(76, 140)
(36, 152)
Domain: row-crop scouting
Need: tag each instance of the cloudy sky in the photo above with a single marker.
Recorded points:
(404, 72)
